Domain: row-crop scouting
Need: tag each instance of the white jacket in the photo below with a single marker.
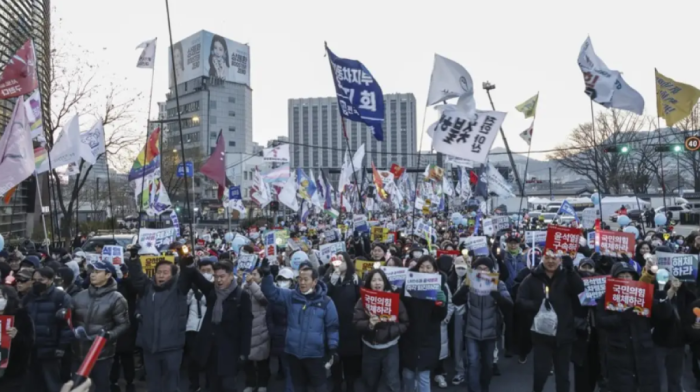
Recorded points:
(195, 317)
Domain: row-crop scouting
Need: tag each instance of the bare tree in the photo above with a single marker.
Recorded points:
(689, 161)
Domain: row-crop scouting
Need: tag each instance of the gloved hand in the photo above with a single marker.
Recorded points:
(335, 277)
(441, 298)
(265, 267)
(331, 358)
(567, 263)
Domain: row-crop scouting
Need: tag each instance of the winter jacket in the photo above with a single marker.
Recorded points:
(232, 336)
(671, 332)
(21, 348)
(420, 345)
(514, 264)
(444, 333)
(197, 307)
(345, 293)
(312, 329)
(276, 316)
(50, 332)
(384, 334)
(127, 341)
(483, 312)
(260, 338)
(162, 310)
(564, 287)
(97, 309)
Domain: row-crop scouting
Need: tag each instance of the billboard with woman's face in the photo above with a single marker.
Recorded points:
(207, 54)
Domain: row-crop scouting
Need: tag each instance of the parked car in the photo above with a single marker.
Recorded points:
(635, 215)
(563, 220)
(549, 217)
(674, 210)
(119, 239)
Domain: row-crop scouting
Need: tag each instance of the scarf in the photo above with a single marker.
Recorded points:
(221, 295)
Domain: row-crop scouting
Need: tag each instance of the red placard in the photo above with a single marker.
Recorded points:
(442, 252)
(615, 242)
(6, 322)
(252, 229)
(381, 303)
(562, 240)
(397, 171)
(621, 294)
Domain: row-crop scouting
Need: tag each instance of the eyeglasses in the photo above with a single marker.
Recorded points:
(22, 280)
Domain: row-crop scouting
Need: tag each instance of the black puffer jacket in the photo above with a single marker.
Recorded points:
(51, 333)
(672, 332)
(345, 293)
(97, 309)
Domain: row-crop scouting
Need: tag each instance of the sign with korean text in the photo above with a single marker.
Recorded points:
(613, 243)
(590, 239)
(360, 223)
(588, 217)
(562, 240)
(148, 263)
(682, 266)
(461, 135)
(621, 294)
(453, 253)
(478, 244)
(247, 262)
(155, 238)
(113, 254)
(396, 275)
(378, 233)
(362, 266)
(481, 283)
(594, 289)
(326, 251)
(539, 238)
(384, 305)
(6, 323)
(422, 286)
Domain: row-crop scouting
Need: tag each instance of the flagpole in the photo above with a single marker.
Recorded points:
(145, 154)
(41, 204)
(179, 116)
(352, 163)
(595, 157)
(415, 185)
(527, 163)
(109, 190)
(12, 215)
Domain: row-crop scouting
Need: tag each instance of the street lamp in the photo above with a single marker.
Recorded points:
(195, 119)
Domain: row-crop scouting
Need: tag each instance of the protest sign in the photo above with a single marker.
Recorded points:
(246, 262)
(327, 251)
(378, 233)
(148, 263)
(92, 257)
(562, 240)
(682, 266)
(594, 289)
(113, 254)
(362, 266)
(396, 275)
(391, 237)
(478, 244)
(453, 253)
(588, 217)
(614, 243)
(331, 235)
(6, 322)
(590, 239)
(422, 286)
(384, 305)
(539, 238)
(481, 283)
(360, 223)
(153, 239)
(622, 294)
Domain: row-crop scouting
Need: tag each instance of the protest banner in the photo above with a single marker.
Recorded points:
(396, 275)
(422, 286)
(331, 235)
(594, 289)
(481, 283)
(614, 243)
(384, 305)
(682, 266)
(246, 262)
(453, 253)
(148, 263)
(622, 294)
(562, 240)
(478, 244)
(378, 233)
(6, 322)
(92, 257)
(113, 254)
(362, 266)
(588, 217)
(326, 251)
(539, 238)
(360, 223)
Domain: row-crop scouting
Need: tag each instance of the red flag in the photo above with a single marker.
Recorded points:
(378, 183)
(19, 76)
(397, 171)
(215, 166)
(473, 178)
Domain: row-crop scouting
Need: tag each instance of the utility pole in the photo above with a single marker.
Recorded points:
(551, 195)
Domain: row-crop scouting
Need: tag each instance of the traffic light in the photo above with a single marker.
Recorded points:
(621, 149)
(669, 148)
(177, 209)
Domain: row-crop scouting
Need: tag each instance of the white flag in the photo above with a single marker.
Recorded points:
(527, 134)
(260, 191)
(498, 184)
(288, 194)
(451, 80)
(358, 158)
(465, 186)
(276, 154)
(33, 107)
(16, 150)
(447, 187)
(92, 143)
(147, 59)
(460, 135)
(599, 79)
(66, 148)
(626, 98)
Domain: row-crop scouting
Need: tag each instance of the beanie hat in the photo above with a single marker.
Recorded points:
(487, 261)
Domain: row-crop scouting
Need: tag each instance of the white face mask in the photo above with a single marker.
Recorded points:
(284, 284)
(3, 303)
(461, 270)
(309, 291)
(208, 276)
(655, 243)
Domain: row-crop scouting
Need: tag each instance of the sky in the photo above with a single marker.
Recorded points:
(522, 47)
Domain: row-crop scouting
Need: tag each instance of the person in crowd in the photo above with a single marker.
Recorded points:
(692, 331)
(394, 261)
(444, 264)
(643, 248)
(100, 308)
(514, 262)
(454, 281)
(197, 308)
(585, 353)
(22, 341)
(277, 326)
(483, 316)
(312, 331)
(552, 285)
(631, 361)
(344, 289)
(380, 338)
(52, 334)
(257, 368)
(126, 342)
(378, 251)
(67, 283)
(420, 345)
(24, 282)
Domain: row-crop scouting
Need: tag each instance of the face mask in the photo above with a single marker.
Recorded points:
(284, 284)
(461, 271)
(3, 303)
(586, 274)
(309, 291)
(39, 287)
(417, 255)
(208, 276)
(679, 242)
(655, 243)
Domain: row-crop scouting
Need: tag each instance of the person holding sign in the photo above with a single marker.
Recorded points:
(483, 320)
(380, 338)
(21, 336)
(632, 365)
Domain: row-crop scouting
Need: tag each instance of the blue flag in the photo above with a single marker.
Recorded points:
(568, 209)
(359, 96)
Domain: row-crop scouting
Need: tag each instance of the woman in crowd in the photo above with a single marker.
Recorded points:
(378, 251)
(257, 368)
(22, 336)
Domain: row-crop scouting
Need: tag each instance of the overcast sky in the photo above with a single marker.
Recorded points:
(522, 47)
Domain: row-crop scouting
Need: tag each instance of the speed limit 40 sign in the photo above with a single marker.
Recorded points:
(692, 143)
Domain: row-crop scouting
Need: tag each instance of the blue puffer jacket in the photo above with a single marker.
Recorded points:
(51, 333)
(277, 327)
(515, 264)
(312, 321)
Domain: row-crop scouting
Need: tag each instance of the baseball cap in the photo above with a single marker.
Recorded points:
(104, 266)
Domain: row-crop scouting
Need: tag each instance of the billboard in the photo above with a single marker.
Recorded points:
(208, 54)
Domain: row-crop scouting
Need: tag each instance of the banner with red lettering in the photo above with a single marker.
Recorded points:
(562, 240)
(614, 243)
(6, 322)
(622, 294)
(442, 252)
(19, 76)
(383, 304)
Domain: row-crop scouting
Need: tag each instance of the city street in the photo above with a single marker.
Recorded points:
(682, 230)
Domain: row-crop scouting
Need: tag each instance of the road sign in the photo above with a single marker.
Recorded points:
(692, 143)
(188, 169)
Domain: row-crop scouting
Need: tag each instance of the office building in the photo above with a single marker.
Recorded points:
(19, 21)
(315, 133)
(215, 96)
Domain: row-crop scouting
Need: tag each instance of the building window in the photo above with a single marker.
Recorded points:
(231, 113)
(212, 135)
(232, 99)
(232, 129)
(212, 104)
(232, 144)
(211, 150)
(245, 175)
(212, 119)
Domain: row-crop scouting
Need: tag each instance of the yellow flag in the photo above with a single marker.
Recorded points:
(529, 107)
(674, 101)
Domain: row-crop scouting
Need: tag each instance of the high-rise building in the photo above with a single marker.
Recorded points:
(315, 133)
(213, 84)
(19, 21)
